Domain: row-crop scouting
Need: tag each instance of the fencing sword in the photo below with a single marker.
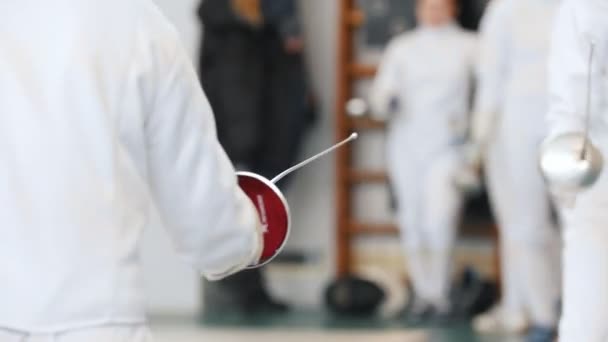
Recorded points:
(571, 161)
(292, 169)
(587, 144)
(272, 207)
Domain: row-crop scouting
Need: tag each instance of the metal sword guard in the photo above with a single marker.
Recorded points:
(570, 161)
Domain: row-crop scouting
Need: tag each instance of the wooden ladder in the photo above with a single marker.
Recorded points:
(351, 18)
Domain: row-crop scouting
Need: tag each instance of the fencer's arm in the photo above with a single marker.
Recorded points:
(212, 223)
(492, 69)
(579, 23)
(385, 87)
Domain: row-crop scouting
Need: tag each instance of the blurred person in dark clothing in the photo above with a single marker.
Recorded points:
(471, 12)
(287, 108)
(231, 67)
(252, 69)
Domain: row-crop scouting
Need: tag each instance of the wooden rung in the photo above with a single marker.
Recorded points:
(356, 18)
(357, 228)
(368, 176)
(363, 70)
(366, 123)
(470, 230)
(479, 229)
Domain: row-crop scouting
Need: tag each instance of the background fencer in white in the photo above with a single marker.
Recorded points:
(585, 301)
(102, 120)
(426, 75)
(509, 124)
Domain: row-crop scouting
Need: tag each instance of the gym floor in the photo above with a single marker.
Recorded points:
(307, 327)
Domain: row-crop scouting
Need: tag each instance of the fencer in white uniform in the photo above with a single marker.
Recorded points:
(102, 122)
(424, 82)
(508, 127)
(581, 23)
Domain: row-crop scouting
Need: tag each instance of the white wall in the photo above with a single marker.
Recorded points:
(172, 287)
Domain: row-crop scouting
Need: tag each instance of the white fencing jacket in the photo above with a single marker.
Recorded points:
(429, 73)
(102, 120)
(579, 24)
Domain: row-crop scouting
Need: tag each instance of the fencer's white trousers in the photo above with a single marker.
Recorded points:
(585, 299)
(529, 240)
(117, 333)
(428, 215)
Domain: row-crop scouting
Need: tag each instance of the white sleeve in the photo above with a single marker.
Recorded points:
(214, 226)
(386, 84)
(492, 69)
(579, 23)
